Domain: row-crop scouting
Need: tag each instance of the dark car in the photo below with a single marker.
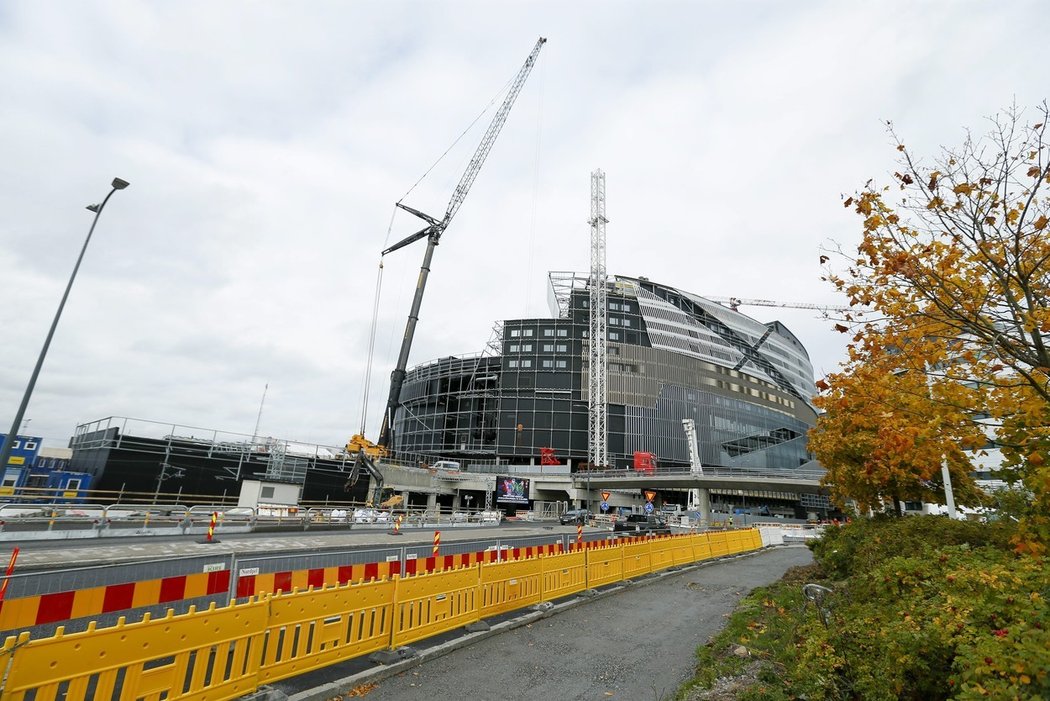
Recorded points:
(574, 516)
(641, 524)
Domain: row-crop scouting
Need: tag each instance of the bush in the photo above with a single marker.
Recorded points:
(863, 543)
(921, 608)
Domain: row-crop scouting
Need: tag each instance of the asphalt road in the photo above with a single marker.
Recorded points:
(636, 643)
(50, 554)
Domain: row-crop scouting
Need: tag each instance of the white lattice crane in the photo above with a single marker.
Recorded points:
(736, 302)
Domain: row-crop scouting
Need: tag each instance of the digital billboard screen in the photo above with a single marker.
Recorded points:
(512, 490)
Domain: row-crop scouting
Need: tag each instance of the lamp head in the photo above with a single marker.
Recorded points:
(119, 184)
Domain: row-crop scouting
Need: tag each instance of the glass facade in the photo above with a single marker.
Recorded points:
(672, 356)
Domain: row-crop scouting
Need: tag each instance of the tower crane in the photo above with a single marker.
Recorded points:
(432, 233)
(736, 302)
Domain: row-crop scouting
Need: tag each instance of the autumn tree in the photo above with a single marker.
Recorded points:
(884, 439)
(953, 272)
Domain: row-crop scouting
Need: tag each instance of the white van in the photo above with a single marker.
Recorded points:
(446, 465)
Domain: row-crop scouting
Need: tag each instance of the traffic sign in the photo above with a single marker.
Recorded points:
(649, 495)
(606, 494)
(604, 506)
(648, 507)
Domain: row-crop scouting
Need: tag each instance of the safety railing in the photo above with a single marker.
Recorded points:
(225, 653)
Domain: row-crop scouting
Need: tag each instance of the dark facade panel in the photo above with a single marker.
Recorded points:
(536, 396)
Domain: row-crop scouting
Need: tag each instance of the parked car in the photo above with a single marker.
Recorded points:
(574, 516)
(641, 524)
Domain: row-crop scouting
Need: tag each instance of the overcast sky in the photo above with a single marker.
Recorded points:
(266, 143)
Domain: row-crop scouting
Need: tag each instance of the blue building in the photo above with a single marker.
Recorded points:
(24, 452)
(41, 474)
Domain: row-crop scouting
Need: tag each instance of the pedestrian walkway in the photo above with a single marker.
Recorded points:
(629, 642)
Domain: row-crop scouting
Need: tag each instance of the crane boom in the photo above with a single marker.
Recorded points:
(735, 302)
(433, 231)
(491, 133)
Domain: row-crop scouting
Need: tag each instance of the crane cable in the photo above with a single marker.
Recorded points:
(379, 275)
(372, 332)
(459, 138)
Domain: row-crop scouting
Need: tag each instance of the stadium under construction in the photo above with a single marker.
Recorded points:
(672, 355)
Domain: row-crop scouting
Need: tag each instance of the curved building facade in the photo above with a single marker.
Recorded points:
(672, 355)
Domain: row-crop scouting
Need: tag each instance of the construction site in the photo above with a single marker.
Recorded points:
(625, 374)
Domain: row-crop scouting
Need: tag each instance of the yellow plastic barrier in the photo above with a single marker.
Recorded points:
(637, 560)
(226, 653)
(198, 655)
(739, 541)
(604, 565)
(701, 547)
(719, 543)
(564, 574)
(313, 629)
(682, 550)
(661, 552)
(428, 604)
(506, 586)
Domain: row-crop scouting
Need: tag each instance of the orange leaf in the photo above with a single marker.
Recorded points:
(1040, 223)
(840, 328)
(361, 690)
(848, 202)
(1034, 172)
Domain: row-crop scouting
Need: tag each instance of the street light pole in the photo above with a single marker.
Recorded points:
(5, 452)
(946, 477)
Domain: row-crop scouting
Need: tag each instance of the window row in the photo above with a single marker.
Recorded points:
(545, 363)
(613, 335)
(545, 347)
(548, 332)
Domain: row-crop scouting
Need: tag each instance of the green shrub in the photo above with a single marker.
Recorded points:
(863, 543)
(921, 608)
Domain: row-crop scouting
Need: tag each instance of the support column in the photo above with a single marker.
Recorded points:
(432, 507)
(700, 500)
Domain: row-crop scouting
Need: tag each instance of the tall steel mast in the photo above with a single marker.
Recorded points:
(433, 231)
(597, 391)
